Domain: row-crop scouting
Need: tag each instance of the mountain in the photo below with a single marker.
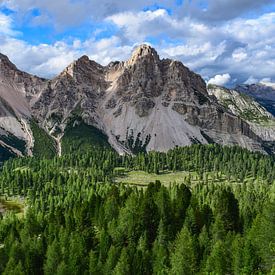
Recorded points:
(260, 120)
(263, 92)
(15, 133)
(142, 104)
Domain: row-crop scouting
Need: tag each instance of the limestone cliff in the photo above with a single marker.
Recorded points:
(145, 103)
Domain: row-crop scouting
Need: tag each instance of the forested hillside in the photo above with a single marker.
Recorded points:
(79, 218)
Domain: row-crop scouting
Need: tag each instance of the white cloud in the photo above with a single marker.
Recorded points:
(139, 25)
(43, 59)
(221, 10)
(66, 13)
(251, 80)
(107, 49)
(239, 55)
(6, 25)
(49, 60)
(220, 79)
(242, 47)
(266, 79)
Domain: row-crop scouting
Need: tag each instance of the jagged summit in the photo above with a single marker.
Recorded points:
(145, 103)
(15, 78)
(5, 63)
(143, 51)
(263, 92)
(82, 65)
(84, 58)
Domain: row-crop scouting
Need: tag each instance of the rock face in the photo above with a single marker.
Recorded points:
(15, 112)
(144, 103)
(262, 92)
(260, 120)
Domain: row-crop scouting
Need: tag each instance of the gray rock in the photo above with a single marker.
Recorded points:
(145, 95)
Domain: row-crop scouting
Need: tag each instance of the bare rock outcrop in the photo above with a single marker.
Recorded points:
(156, 103)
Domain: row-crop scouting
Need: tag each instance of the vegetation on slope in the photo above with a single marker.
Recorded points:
(44, 145)
(82, 138)
(242, 105)
(14, 142)
(5, 154)
(219, 219)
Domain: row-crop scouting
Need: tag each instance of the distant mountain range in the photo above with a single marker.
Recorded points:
(263, 92)
(141, 104)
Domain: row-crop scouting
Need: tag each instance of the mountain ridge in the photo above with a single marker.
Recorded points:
(144, 103)
(262, 92)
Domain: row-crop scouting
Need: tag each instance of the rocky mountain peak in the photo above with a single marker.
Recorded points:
(144, 51)
(17, 79)
(143, 103)
(82, 67)
(263, 92)
(6, 65)
(83, 58)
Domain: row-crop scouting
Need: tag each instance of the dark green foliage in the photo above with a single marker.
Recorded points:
(79, 222)
(184, 256)
(14, 142)
(5, 154)
(44, 145)
(252, 115)
(135, 145)
(82, 138)
(201, 97)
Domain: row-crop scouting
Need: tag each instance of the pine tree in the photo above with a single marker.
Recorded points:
(160, 250)
(215, 262)
(53, 258)
(237, 254)
(93, 263)
(62, 269)
(12, 268)
(184, 258)
(123, 265)
(112, 259)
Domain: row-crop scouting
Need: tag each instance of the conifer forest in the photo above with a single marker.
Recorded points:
(78, 219)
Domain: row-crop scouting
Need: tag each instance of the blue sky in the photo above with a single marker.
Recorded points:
(226, 41)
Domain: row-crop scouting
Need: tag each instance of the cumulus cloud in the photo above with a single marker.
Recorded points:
(221, 10)
(220, 80)
(242, 47)
(6, 25)
(139, 25)
(66, 13)
(48, 60)
(266, 79)
(239, 55)
(251, 80)
(42, 59)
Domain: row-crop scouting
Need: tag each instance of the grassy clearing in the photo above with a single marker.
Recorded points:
(142, 179)
(15, 204)
(22, 169)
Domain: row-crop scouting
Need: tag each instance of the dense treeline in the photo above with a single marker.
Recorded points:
(77, 221)
(231, 161)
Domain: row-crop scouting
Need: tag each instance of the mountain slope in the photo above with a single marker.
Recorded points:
(262, 92)
(142, 104)
(158, 104)
(260, 120)
(15, 113)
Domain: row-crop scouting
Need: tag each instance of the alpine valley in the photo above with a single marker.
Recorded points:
(137, 167)
(142, 104)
